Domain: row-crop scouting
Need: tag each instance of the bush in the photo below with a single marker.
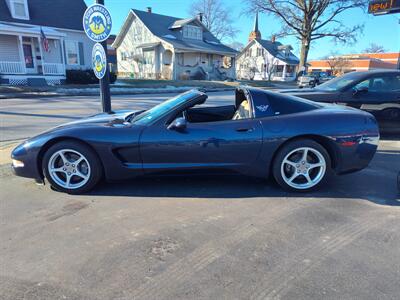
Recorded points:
(113, 77)
(85, 77)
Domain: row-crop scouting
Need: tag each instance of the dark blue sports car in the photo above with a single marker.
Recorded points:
(297, 141)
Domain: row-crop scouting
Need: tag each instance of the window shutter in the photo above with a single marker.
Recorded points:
(81, 54)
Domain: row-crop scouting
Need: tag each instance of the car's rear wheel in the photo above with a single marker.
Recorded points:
(302, 165)
(72, 167)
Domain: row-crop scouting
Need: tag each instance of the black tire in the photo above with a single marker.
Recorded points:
(321, 178)
(91, 164)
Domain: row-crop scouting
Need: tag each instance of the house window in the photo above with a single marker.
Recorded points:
(19, 9)
(148, 57)
(192, 32)
(72, 51)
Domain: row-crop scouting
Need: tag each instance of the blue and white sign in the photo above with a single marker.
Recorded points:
(99, 61)
(97, 23)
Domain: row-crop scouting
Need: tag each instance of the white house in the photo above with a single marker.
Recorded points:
(156, 46)
(266, 59)
(26, 57)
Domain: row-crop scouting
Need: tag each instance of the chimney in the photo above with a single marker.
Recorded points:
(273, 38)
(149, 9)
(200, 17)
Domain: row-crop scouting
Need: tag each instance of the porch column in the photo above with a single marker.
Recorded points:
(233, 66)
(173, 66)
(41, 54)
(284, 72)
(63, 54)
(21, 53)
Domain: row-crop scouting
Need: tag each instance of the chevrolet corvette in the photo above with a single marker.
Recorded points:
(298, 142)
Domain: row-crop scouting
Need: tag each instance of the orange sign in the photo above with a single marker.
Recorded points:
(383, 6)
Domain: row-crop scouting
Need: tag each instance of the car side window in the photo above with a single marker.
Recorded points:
(363, 84)
(386, 83)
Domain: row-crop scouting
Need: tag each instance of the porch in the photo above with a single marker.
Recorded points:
(284, 73)
(23, 55)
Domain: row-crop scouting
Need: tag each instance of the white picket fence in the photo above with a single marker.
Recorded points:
(18, 67)
(53, 69)
(12, 67)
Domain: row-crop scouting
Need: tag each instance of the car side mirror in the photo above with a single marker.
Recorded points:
(178, 124)
(360, 91)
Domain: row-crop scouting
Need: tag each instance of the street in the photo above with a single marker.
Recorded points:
(194, 237)
(23, 118)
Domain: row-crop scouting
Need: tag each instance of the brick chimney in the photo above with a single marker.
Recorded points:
(149, 9)
(200, 17)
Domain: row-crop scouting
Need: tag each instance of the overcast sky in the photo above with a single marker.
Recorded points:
(382, 30)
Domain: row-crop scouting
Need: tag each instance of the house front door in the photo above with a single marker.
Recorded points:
(29, 57)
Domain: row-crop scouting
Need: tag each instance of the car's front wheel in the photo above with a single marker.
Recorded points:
(72, 167)
(302, 165)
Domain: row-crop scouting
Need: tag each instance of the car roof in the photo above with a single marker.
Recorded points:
(260, 99)
(376, 71)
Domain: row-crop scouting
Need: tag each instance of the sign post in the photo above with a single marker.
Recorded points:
(97, 24)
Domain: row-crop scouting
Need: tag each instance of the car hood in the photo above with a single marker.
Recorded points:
(106, 119)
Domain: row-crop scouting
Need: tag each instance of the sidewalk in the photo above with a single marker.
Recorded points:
(132, 87)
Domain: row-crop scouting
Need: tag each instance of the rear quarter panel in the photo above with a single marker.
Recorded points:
(351, 135)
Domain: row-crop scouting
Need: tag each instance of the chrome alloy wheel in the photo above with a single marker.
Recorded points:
(69, 169)
(303, 168)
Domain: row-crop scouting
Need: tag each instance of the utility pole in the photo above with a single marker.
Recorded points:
(105, 81)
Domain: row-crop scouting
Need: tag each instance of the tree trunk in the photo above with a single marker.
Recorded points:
(305, 47)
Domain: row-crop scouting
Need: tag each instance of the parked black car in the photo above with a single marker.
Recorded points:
(377, 92)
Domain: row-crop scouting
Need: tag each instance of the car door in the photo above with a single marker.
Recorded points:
(379, 95)
(232, 144)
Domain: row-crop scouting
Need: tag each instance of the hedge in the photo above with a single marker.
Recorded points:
(85, 77)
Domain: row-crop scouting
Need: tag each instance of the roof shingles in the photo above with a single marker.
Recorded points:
(53, 13)
(159, 25)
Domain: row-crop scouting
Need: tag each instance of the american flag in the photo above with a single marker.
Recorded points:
(45, 41)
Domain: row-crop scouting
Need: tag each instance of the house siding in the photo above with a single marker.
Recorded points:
(87, 44)
(137, 34)
(9, 50)
(54, 54)
(246, 62)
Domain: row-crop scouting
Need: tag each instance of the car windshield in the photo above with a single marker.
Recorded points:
(161, 109)
(339, 82)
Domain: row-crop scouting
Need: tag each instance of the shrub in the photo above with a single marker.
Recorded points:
(85, 77)
(113, 77)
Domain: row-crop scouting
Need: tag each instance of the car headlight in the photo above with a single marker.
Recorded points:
(17, 163)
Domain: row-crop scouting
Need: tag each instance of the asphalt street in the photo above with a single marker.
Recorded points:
(194, 237)
(21, 118)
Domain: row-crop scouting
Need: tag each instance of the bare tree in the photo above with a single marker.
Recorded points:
(270, 63)
(236, 45)
(311, 20)
(216, 17)
(338, 65)
(374, 48)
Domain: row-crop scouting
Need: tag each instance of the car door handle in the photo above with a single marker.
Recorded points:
(243, 129)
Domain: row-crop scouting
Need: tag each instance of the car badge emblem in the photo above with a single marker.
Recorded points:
(262, 108)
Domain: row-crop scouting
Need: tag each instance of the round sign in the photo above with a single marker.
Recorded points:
(97, 23)
(99, 61)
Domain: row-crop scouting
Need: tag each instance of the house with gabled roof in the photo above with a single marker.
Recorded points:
(266, 59)
(156, 46)
(41, 39)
